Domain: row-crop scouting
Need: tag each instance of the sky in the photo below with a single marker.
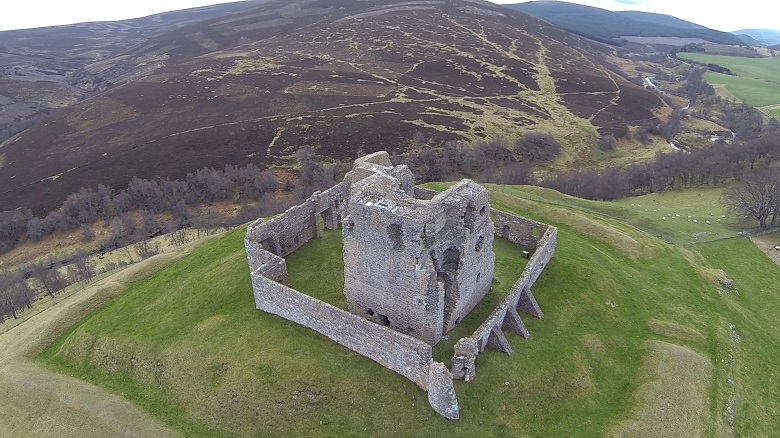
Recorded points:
(725, 15)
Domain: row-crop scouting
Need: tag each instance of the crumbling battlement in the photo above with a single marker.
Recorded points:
(268, 241)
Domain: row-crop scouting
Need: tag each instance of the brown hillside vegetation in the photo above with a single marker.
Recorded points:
(338, 75)
(37, 66)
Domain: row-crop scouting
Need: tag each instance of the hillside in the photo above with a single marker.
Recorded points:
(638, 337)
(341, 76)
(607, 26)
(37, 65)
(749, 40)
(767, 37)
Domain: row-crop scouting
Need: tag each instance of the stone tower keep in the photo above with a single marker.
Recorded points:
(417, 266)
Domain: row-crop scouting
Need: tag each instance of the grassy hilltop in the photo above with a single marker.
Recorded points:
(638, 337)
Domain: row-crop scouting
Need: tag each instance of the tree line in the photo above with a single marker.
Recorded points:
(152, 197)
(20, 287)
(723, 161)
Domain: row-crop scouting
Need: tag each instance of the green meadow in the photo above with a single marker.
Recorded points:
(638, 338)
(756, 82)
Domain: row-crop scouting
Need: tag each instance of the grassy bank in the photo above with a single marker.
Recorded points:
(633, 339)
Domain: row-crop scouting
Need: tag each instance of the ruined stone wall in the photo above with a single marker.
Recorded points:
(516, 229)
(263, 263)
(266, 241)
(403, 354)
(505, 315)
(289, 231)
(531, 273)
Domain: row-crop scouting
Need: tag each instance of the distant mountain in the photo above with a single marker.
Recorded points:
(767, 37)
(341, 76)
(607, 26)
(749, 40)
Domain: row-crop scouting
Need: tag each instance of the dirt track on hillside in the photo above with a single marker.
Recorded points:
(35, 401)
(767, 244)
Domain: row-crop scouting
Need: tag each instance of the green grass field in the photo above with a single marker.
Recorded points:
(773, 112)
(635, 340)
(756, 82)
(753, 92)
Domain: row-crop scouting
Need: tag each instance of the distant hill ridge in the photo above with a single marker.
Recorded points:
(749, 40)
(767, 37)
(608, 26)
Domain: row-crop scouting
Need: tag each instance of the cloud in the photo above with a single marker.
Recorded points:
(632, 2)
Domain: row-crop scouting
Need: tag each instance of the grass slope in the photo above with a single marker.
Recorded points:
(756, 80)
(188, 345)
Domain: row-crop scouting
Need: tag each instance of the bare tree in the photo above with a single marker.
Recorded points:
(35, 229)
(538, 146)
(129, 224)
(47, 275)
(15, 294)
(208, 220)
(756, 196)
(80, 266)
(516, 173)
(149, 224)
(146, 249)
(179, 237)
(87, 233)
(114, 237)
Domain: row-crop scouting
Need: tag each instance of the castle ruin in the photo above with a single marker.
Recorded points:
(417, 266)
(415, 263)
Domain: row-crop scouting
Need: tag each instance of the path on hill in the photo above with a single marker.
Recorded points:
(35, 401)
(767, 244)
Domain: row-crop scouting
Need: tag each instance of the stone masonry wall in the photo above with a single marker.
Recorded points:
(401, 353)
(531, 272)
(516, 229)
(289, 231)
(417, 266)
(506, 316)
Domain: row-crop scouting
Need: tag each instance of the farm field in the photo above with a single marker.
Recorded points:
(756, 83)
(637, 336)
